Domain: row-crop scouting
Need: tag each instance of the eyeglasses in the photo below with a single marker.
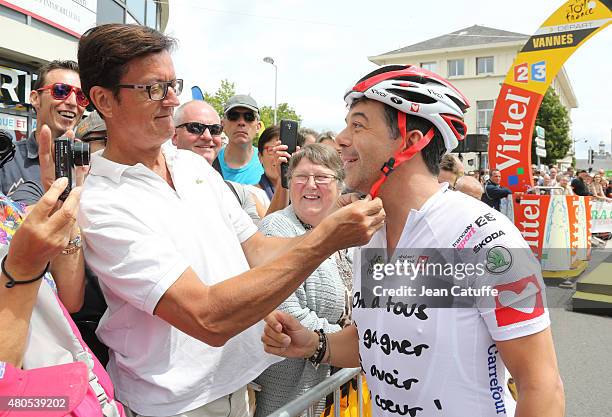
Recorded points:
(61, 91)
(233, 115)
(319, 179)
(159, 90)
(94, 139)
(198, 128)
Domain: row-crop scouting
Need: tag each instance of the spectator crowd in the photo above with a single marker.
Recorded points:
(485, 184)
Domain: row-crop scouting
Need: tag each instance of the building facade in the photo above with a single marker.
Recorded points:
(34, 32)
(475, 60)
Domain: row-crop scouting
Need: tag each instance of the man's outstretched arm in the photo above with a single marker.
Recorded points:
(216, 313)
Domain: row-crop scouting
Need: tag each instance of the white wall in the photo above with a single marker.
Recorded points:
(28, 43)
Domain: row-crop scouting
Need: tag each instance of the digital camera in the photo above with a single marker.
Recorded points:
(69, 154)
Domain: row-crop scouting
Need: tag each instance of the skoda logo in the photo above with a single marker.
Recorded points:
(499, 260)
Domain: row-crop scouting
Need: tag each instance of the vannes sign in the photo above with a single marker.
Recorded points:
(15, 86)
(527, 80)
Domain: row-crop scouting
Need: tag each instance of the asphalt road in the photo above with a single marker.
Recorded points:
(584, 350)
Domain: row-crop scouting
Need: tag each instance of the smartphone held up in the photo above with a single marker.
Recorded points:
(289, 137)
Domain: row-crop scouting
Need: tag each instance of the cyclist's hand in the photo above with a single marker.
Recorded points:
(285, 336)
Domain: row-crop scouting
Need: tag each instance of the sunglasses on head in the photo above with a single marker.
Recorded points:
(61, 91)
(234, 115)
(198, 128)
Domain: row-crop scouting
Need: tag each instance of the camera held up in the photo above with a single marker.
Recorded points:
(69, 154)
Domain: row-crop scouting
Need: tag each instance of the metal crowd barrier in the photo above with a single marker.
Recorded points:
(548, 188)
(308, 400)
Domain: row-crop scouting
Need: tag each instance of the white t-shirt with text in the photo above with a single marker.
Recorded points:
(435, 362)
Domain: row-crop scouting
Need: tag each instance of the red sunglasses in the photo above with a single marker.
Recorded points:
(61, 91)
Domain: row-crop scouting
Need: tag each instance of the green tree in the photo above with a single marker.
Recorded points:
(284, 111)
(218, 100)
(554, 118)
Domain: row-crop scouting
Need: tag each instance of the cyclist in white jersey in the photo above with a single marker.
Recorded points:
(419, 360)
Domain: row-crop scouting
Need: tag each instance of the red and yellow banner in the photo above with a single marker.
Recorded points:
(530, 218)
(573, 201)
(533, 70)
(556, 228)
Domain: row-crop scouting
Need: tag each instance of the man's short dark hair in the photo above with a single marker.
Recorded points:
(266, 136)
(106, 50)
(435, 149)
(582, 171)
(493, 171)
(45, 69)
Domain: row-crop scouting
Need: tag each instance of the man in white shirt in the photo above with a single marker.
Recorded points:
(172, 248)
(418, 360)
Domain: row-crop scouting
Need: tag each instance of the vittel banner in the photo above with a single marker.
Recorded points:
(511, 131)
(556, 228)
(530, 218)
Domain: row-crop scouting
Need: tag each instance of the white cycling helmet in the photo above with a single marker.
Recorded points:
(418, 92)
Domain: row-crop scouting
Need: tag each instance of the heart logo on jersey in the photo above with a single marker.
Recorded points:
(507, 298)
(518, 301)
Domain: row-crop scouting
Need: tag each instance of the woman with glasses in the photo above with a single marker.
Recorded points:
(315, 182)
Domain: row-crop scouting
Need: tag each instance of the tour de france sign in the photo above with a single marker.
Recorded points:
(532, 71)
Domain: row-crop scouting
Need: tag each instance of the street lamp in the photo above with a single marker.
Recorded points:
(574, 145)
(269, 60)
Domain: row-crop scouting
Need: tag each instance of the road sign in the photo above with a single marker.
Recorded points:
(541, 152)
(540, 143)
(539, 132)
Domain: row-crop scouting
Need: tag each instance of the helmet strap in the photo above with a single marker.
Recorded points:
(401, 155)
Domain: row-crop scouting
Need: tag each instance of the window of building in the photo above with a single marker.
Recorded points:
(152, 15)
(109, 12)
(12, 14)
(484, 65)
(431, 66)
(485, 115)
(137, 10)
(455, 67)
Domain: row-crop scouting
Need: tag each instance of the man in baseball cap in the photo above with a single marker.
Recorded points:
(92, 130)
(241, 122)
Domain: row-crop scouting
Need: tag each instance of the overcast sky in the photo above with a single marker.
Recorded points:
(321, 49)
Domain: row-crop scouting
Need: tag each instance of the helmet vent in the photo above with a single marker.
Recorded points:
(459, 127)
(458, 103)
(382, 70)
(412, 96)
